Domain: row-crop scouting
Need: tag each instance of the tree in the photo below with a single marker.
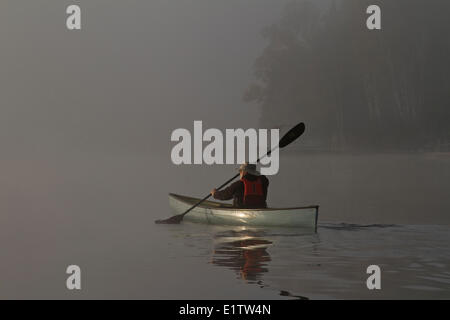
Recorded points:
(358, 88)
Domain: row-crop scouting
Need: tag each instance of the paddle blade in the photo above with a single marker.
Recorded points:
(292, 135)
(172, 220)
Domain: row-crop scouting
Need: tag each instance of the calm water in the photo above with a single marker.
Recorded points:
(415, 260)
(192, 261)
(98, 212)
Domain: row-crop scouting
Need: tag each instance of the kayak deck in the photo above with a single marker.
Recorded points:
(212, 212)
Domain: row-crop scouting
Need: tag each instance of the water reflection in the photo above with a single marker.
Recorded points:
(244, 252)
(250, 253)
(331, 264)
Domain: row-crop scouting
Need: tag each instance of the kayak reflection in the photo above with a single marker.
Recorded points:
(243, 251)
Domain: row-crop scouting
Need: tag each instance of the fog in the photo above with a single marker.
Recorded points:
(86, 118)
(135, 72)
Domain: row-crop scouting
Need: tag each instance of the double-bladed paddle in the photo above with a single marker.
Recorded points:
(287, 139)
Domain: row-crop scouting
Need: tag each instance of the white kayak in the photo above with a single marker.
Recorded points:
(212, 212)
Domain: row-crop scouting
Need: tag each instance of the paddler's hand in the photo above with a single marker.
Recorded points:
(213, 191)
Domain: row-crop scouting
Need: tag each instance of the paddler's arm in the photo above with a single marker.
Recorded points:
(227, 193)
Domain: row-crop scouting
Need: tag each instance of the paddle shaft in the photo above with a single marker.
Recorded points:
(223, 185)
(209, 195)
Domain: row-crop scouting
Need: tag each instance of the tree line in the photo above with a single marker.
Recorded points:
(358, 89)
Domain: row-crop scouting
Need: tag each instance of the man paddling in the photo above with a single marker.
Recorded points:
(249, 192)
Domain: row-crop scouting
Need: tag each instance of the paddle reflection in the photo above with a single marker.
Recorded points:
(244, 252)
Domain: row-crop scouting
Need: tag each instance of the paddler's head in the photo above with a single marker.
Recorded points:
(248, 168)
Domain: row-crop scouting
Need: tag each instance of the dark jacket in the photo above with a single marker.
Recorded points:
(236, 191)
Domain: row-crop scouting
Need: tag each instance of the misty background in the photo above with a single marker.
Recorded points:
(359, 89)
(86, 118)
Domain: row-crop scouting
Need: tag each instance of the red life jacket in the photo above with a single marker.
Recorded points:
(253, 193)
